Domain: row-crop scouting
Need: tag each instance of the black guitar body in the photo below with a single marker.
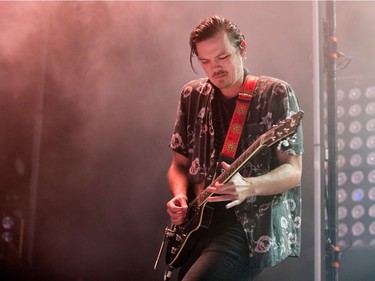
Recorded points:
(185, 236)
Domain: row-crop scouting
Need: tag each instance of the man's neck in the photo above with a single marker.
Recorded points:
(232, 92)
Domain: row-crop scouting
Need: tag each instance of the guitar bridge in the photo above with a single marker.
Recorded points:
(169, 232)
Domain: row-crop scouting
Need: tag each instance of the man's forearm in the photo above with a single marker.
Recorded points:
(276, 181)
(178, 180)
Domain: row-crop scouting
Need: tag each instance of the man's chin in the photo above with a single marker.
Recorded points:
(219, 82)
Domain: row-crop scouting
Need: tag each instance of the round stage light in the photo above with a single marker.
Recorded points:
(371, 158)
(355, 127)
(371, 228)
(7, 236)
(358, 194)
(355, 110)
(357, 177)
(356, 160)
(341, 195)
(370, 108)
(341, 161)
(370, 125)
(371, 211)
(371, 193)
(355, 94)
(7, 222)
(342, 230)
(340, 144)
(341, 178)
(342, 212)
(358, 228)
(356, 143)
(340, 111)
(358, 211)
(370, 143)
(370, 92)
(340, 128)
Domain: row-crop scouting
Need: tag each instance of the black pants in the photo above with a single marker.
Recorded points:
(221, 253)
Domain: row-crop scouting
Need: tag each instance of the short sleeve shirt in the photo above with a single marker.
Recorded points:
(272, 224)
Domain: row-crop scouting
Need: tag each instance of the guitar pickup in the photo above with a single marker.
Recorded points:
(174, 250)
(207, 216)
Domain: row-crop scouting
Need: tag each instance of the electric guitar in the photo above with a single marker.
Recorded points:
(180, 238)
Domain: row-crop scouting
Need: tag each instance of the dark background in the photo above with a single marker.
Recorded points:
(88, 96)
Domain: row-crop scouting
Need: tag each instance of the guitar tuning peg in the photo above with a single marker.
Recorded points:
(284, 144)
(293, 138)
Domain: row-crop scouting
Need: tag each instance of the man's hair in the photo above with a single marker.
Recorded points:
(211, 26)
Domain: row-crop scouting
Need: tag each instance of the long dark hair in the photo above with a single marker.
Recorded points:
(211, 26)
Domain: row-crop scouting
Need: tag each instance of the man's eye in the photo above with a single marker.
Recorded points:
(204, 61)
(223, 57)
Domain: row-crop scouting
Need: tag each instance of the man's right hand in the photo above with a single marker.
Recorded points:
(177, 209)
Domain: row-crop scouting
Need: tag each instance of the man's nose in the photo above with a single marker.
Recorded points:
(215, 63)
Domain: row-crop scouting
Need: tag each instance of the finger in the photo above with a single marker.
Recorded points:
(223, 189)
(179, 211)
(173, 209)
(178, 218)
(177, 221)
(180, 203)
(217, 184)
(225, 165)
(222, 198)
(218, 189)
(233, 204)
(211, 189)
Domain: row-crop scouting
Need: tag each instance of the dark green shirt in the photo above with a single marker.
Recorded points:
(271, 223)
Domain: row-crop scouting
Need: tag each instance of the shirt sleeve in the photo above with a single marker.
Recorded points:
(178, 142)
(293, 144)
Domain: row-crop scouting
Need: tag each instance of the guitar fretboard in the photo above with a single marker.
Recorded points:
(232, 170)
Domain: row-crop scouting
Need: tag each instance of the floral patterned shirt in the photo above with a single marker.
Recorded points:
(272, 224)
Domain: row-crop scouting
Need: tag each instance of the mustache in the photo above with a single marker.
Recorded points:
(217, 73)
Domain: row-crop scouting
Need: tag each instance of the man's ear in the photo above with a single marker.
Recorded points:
(243, 48)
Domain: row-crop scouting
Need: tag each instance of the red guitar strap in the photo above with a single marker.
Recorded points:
(239, 117)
